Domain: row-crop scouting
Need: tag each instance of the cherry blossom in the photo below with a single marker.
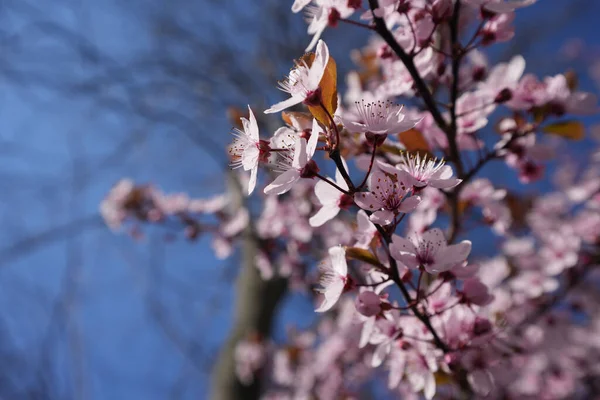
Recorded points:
(430, 251)
(303, 81)
(247, 149)
(387, 197)
(379, 117)
(301, 165)
(425, 171)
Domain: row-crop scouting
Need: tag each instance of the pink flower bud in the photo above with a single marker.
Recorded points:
(368, 303)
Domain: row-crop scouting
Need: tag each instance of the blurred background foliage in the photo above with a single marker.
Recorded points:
(93, 91)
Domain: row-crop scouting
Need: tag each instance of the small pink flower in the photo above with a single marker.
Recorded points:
(303, 81)
(387, 197)
(247, 149)
(380, 117)
(334, 276)
(301, 165)
(424, 171)
(323, 14)
(430, 251)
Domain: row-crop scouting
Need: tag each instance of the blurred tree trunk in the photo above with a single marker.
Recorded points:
(254, 312)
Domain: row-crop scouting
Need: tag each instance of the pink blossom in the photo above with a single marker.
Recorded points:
(387, 197)
(381, 117)
(504, 76)
(498, 29)
(334, 276)
(303, 81)
(325, 13)
(112, 207)
(430, 251)
(247, 149)
(301, 165)
(424, 171)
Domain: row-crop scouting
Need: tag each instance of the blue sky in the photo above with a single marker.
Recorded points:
(134, 308)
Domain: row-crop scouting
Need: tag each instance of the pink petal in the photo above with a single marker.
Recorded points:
(367, 201)
(253, 126)
(409, 204)
(382, 217)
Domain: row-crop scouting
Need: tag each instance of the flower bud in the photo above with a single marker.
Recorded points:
(356, 4)
(333, 17)
(310, 170)
(504, 96)
(481, 326)
(368, 303)
(375, 139)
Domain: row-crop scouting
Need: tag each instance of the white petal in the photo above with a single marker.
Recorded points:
(327, 194)
(282, 105)
(283, 182)
(339, 179)
(338, 260)
(253, 126)
(250, 157)
(365, 334)
(323, 215)
(300, 157)
(252, 181)
(429, 389)
(332, 293)
(381, 353)
(317, 69)
(311, 146)
(299, 5)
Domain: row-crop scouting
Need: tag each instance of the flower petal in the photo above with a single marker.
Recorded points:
(338, 260)
(283, 182)
(282, 105)
(323, 215)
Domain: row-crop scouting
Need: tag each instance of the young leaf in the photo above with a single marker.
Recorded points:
(573, 130)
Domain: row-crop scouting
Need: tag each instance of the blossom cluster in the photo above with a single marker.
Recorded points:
(388, 239)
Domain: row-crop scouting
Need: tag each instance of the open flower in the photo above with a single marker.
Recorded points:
(303, 81)
(334, 276)
(425, 171)
(430, 251)
(331, 199)
(387, 196)
(302, 165)
(379, 117)
(247, 149)
(323, 14)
